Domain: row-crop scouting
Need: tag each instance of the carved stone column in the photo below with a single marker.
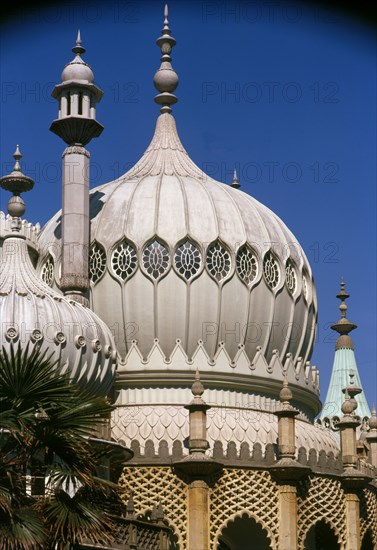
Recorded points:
(287, 471)
(353, 479)
(197, 467)
(76, 125)
(371, 437)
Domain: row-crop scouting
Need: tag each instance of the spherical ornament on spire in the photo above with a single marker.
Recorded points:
(285, 394)
(16, 182)
(166, 79)
(373, 419)
(347, 406)
(197, 388)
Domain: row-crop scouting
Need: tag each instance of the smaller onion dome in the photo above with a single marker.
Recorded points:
(77, 69)
(33, 313)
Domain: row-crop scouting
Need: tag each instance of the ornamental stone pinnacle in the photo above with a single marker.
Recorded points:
(77, 95)
(16, 182)
(344, 372)
(343, 326)
(166, 79)
(235, 184)
(76, 125)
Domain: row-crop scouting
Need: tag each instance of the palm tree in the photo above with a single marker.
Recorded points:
(50, 495)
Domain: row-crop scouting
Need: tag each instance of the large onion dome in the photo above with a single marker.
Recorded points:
(33, 313)
(176, 254)
(179, 261)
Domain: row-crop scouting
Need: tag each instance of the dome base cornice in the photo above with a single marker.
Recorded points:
(220, 372)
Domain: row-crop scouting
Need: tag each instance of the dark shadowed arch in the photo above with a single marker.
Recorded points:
(321, 536)
(243, 533)
(367, 541)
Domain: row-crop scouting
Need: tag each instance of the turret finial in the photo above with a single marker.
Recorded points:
(197, 388)
(343, 326)
(285, 394)
(235, 184)
(373, 419)
(16, 182)
(78, 49)
(166, 79)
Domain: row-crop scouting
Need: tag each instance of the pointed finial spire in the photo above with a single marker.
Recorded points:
(16, 182)
(342, 296)
(285, 393)
(343, 326)
(166, 29)
(197, 389)
(17, 157)
(78, 49)
(166, 79)
(235, 184)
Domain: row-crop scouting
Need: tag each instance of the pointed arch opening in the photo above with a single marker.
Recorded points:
(321, 536)
(243, 532)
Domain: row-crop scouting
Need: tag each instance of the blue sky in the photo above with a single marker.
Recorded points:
(284, 91)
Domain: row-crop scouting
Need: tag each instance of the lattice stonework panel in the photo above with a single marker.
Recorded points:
(244, 491)
(150, 485)
(321, 498)
(368, 513)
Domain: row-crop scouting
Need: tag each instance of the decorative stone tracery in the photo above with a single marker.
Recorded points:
(290, 278)
(156, 259)
(271, 270)
(244, 491)
(48, 271)
(321, 498)
(124, 260)
(368, 513)
(187, 260)
(97, 262)
(150, 485)
(247, 265)
(218, 261)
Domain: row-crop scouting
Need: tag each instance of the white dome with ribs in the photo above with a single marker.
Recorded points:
(178, 255)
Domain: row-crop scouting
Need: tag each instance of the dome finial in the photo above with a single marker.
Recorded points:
(166, 29)
(16, 182)
(166, 79)
(235, 184)
(343, 326)
(78, 49)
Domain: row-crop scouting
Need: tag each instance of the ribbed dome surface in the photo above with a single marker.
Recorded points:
(77, 70)
(31, 312)
(176, 254)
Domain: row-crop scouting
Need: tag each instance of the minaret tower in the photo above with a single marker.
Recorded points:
(344, 366)
(76, 125)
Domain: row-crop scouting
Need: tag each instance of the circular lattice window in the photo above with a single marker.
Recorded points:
(247, 265)
(97, 262)
(124, 260)
(187, 260)
(48, 271)
(156, 259)
(271, 270)
(290, 278)
(218, 261)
